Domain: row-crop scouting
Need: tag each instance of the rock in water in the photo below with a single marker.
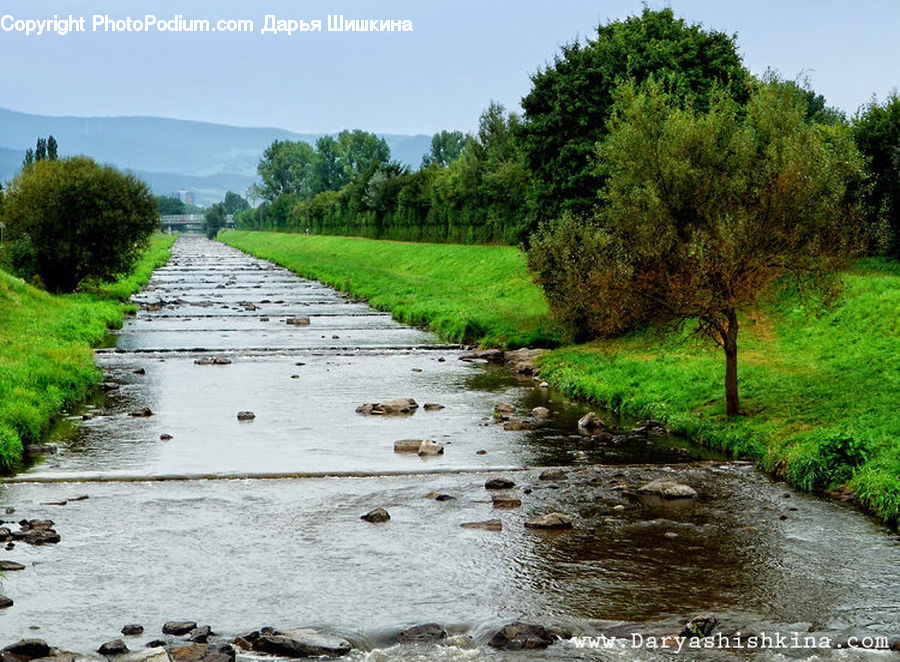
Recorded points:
(422, 634)
(550, 521)
(540, 412)
(505, 500)
(132, 630)
(429, 447)
(488, 525)
(114, 647)
(10, 566)
(302, 643)
(143, 412)
(178, 628)
(408, 445)
(298, 321)
(498, 484)
(522, 636)
(553, 474)
(668, 488)
(200, 635)
(590, 422)
(377, 515)
(699, 626)
(28, 649)
(433, 406)
(393, 407)
(504, 408)
(246, 416)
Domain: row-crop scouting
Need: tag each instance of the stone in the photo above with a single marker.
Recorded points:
(504, 408)
(155, 643)
(408, 445)
(487, 525)
(377, 515)
(516, 426)
(553, 474)
(550, 521)
(433, 406)
(114, 647)
(28, 649)
(10, 566)
(591, 422)
(165, 437)
(143, 412)
(37, 536)
(33, 450)
(150, 653)
(481, 452)
(444, 497)
(498, 484)
(132, 630)
(188, 653)
(298, 321)
(505, 500)
(109, 386)
(302, 642)
(667, 488)
(522, 361)
(699, 626)
(429, 447)
(397, 406)
(5, 602)
(221, 360)
(200, 635)
(246, 416)
(422, 634)
(178, 628)
(522, 636)
(540, 412)
(139, 371)
(489, 355)
(544, 385)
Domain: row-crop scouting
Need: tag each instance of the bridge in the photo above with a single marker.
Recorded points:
(187, 222)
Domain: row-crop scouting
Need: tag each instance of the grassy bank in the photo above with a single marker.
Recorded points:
(46, 362)
(820, 385)
(481, 294)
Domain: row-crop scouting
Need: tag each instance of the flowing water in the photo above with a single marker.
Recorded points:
(242, 524)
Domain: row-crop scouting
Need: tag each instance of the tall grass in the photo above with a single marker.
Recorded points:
(46, 362)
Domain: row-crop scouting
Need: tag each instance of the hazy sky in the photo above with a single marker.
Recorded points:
(462, 54)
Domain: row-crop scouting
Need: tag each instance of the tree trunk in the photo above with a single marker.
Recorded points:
(732, 401)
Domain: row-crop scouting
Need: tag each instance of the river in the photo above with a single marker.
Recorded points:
(243, 524)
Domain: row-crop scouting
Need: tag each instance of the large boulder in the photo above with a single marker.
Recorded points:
(522, 636)
(28, 649)
(178, 628)
(376, 516)
(521, 361)
(114, 647)
(302, 642)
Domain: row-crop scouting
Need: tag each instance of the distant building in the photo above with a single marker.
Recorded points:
(187, 197)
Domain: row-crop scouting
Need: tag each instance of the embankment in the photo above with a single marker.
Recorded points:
(46, 361)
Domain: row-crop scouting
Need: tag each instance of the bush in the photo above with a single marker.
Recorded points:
(83, 219)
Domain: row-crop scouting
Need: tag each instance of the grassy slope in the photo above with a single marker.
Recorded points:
(478, 294)
(46, 362)
(821, 387)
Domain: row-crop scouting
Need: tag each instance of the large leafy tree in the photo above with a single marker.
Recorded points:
(234, 203)
(704, 210)
(82, 219)
(877, 132)
(570, 100)
(359, 151)
(446, 147)
(286, 167)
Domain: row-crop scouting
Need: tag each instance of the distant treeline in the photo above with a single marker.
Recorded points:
(515, 173)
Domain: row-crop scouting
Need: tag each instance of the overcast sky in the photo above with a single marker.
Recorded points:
(462, 54)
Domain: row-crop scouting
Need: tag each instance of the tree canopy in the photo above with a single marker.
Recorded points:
(703, 211)
(81, 219)
(570, 101)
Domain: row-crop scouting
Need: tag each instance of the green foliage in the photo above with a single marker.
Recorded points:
(234, 203)
(479, 197)
(570, 100)
(84, 220)
(820, 383)
(446, 147)
(214, 219)
(169, 206)
(478, 294)
(46, 363)
(877, 131)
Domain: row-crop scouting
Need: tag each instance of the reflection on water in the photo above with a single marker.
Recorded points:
(240, 554)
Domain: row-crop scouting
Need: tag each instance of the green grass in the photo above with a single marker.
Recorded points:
(46, 362)
(820, 385)
(477, 294)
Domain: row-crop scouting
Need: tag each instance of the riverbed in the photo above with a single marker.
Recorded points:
(194, 514)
